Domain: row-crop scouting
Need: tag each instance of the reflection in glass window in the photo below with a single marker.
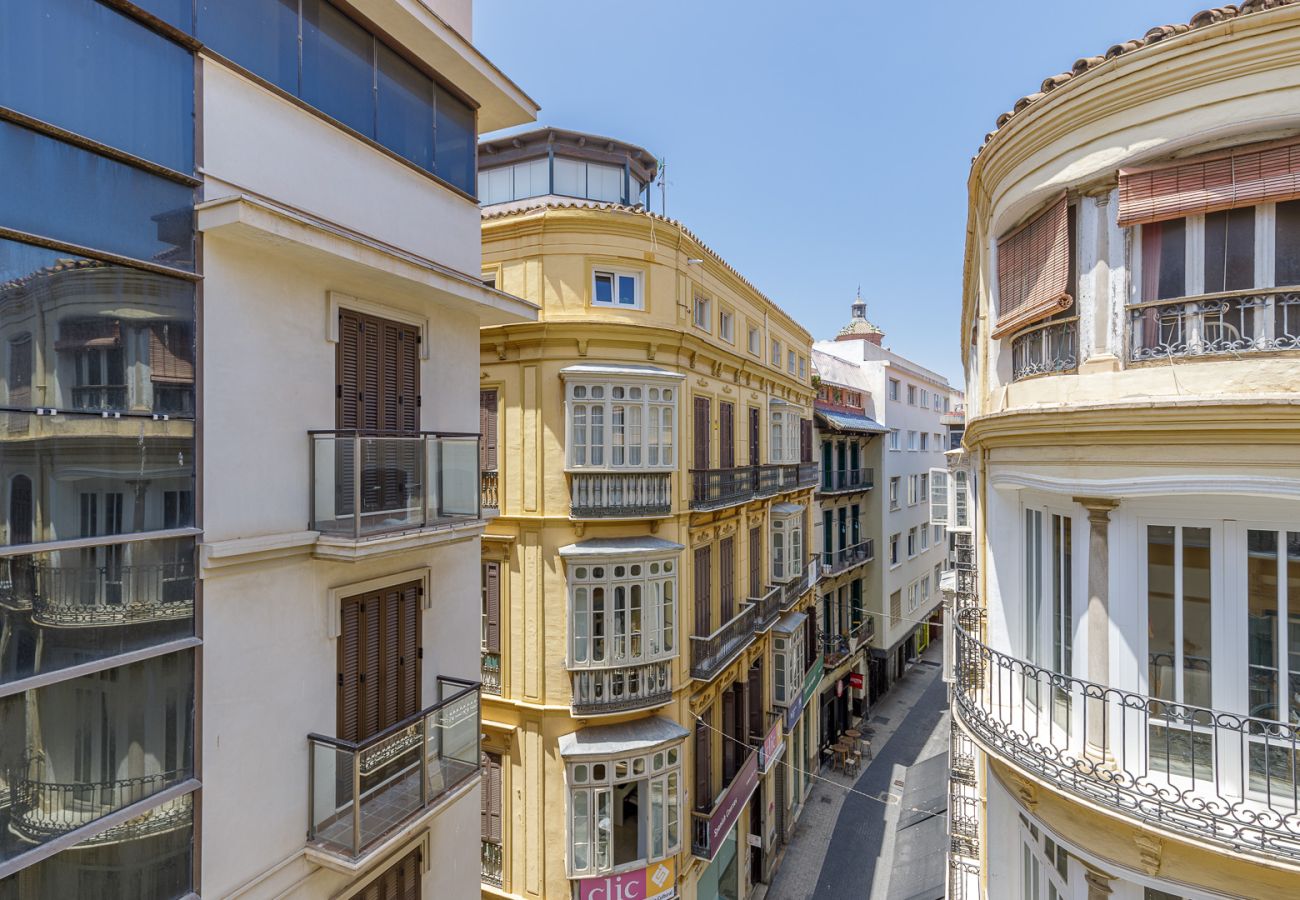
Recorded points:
(94, 745)
(83, 66)
(260, 35)
(456, 140)
(62, 192)
(337, 66)
(404, 119)
(89, 603)
(110, 337)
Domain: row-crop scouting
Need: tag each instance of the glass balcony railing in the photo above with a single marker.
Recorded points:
(367, 485)
(359, 793)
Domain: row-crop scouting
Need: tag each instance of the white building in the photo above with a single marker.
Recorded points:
(909, 401)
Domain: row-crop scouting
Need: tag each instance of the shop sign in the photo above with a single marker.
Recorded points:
(839, 688)
(810, 683)
(728, 811)
(657, 881)
(857, 681)
(772, 747)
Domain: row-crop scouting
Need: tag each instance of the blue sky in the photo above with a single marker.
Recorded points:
(818, 149)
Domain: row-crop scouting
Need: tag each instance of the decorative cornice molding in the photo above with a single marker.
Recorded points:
(1150, 486)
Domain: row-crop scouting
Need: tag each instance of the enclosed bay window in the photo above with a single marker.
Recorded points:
(787, 542)
(788, 654)
(620, 424)
(783, 443)
(621, 613)
(624, 811)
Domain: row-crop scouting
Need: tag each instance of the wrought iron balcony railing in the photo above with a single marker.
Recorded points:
(767, 607)
(795, 588)
(17, 582)
(490, 861)
(367, 485)
(1045, 349)
(99, 396)
(620, 495)
(1225, 778)
(358, 793)
(836, 562)
(710, 654)
(716, 488)
(488, 495)
(42, 810)
(1230, 323)
(490, 672)
(847, 481)
(94, 596)
(598, 692)
(835, 648)
(767, 480)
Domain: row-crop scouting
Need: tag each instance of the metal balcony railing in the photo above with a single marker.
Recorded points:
(847, 481)
(620, 495)
(93, 596)
(767, 607)
(42, 810)
(18, 582)
(490, 860)
(716, 488)
(767, 480)
(1045, 349)
(367, 485)
(623, 688)
(488, 496)
(1221, 777)
(1230, 323)
(835, 562)
(490, 672)
(795, 588)
(358, 793)
(711, 654)
(99, 396)
(835, 648)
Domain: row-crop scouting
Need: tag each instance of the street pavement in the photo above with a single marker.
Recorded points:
(843, 842)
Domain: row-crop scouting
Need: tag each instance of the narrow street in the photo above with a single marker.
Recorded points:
(843, 843)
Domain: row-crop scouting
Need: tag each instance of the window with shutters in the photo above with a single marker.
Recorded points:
(703, 599)
(487, 428)
(787, 528)
(490, 798)
(378, 368)
(491, 590)
(621, 425)
(727, 578)
(756, 586)
(622, 613)
(400, 881)
(783, 446)
(379, 649)
(726, 435)
(1035, 265)
(624, 811)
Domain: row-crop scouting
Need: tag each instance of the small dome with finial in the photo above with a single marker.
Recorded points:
(859, 329)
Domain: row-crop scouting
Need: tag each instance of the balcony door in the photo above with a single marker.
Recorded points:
(378, 399)
(703, 414)
(726, 435)
(379, 650)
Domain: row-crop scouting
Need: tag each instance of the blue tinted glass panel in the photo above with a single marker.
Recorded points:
(78, 334)
(454, 159)
(260, 35)
(174, 12)
(153, 862)
(84, 67)
(604, 289)
(59, 191)
(96, 744)
(338, 66)
(405, 116)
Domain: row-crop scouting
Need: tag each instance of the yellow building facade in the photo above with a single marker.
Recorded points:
(647, 575)
(1126, 650)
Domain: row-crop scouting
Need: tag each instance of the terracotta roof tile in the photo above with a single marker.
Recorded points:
(1201, 19)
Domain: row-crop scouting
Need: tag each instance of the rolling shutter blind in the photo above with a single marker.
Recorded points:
(492, 605)
(171, 353)
(726, 435)
(701, 435)
(1034, 270)
(89, 334)
(487, 426)
(490, 798)
(703, 595)
(1217, 181)
(726, 578)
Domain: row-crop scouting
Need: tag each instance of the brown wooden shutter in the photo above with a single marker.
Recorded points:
(726, 435)
(756, 561)
(487, 426)
(171, 352)
(349, 710)
(755, 697)
(400, 881)
(490, 798)
(378, 367)
(701, 435)
(492, 602)
(703, 594)
(408, 598)
(805, 440)
(753, 435)
(1034, 270)
(703, 762)
(729, 745)
(379, 660)
(727, 578)
(348, 368)
(1245, 176)
(810, 645)
(372, 672)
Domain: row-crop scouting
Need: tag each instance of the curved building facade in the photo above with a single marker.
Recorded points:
(1126, 662)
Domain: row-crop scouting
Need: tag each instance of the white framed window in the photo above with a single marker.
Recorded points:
(755, 341)
(783, 434)
(789, 361)
(787, 544)
(925, 398)
(911, 440)
(622, 613)
(895, 482)
(925, 441)
(617, 288)
(912, 486)
(911, 395)
(938, 534)
(727, 325)
(960, 516)
(703, 317)
(621, 425)
(925, 535)
(893, 439)
(803, 367)
(938, 442)
(624, 811)
(787, 662)
(893, 388)
(913, 591)
(938, 497)
(924, 490)
(893, 549)
(911, 542)
(938, 403)
(776, 353)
